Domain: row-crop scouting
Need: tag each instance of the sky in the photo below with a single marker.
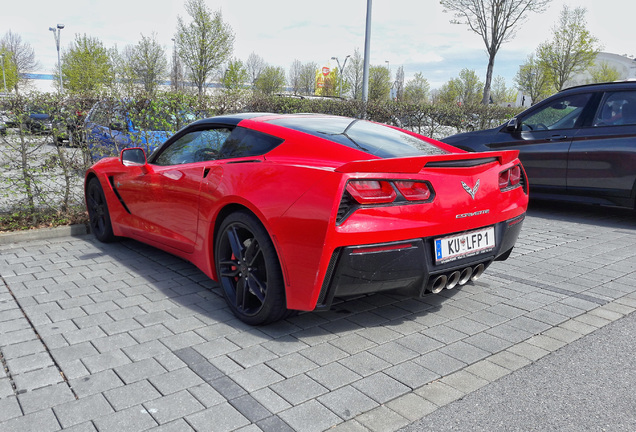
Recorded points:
(414, 34)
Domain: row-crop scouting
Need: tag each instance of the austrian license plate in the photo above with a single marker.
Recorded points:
(464, 245)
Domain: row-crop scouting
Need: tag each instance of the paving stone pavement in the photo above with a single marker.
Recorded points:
(123, 337)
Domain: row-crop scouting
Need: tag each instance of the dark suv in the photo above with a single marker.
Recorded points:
(577, 145)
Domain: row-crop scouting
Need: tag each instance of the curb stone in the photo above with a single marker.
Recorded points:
(44, 233)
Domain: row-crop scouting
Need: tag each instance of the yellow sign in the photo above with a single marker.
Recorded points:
(326, 79)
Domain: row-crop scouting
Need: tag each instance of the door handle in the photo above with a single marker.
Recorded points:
(558, 138)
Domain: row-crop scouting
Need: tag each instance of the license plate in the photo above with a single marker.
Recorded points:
(464, 245)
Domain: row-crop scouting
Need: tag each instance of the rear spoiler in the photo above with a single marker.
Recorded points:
(415, 164)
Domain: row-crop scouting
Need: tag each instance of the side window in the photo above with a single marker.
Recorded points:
(617, 108)
(560, 114)
(107, 115)
(197, 146)
(246, 142)
(117, 119)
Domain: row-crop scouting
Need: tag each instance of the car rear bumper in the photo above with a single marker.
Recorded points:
(408, 265)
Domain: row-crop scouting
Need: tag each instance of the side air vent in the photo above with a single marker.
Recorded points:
(121, 200)
(324, 290)
(347, 205)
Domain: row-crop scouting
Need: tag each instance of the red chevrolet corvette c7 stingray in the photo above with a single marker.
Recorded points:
(287, 212)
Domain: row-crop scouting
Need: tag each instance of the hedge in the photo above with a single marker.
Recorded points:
(43, 162)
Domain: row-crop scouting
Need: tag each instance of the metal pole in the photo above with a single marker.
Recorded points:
(56, 35)
(367, 51)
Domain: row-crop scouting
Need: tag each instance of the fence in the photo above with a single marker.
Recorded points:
(47, 146)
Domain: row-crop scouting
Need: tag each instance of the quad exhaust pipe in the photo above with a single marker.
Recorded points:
(458, 277)
(439, 283)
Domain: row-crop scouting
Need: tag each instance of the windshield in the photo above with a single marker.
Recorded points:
(376, 139)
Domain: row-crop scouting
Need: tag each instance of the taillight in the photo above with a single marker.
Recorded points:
(515, 175)
(371, 191)
(504, 179)
(510, 178)
(414, 191)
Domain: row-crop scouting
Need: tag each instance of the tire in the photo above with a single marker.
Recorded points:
(99, 217)
(249, 271)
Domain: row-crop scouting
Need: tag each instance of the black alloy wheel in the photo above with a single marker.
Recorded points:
(99, 218)
(249, 271)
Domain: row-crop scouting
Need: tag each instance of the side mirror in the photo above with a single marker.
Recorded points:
(512, 125)
(133, 156)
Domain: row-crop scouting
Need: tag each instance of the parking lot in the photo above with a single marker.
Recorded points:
(123, 337)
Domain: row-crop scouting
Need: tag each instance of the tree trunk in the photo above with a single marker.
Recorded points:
(491, 65)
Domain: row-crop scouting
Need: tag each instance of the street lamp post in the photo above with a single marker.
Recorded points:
(56, 35)
(4, 80)
(340, 72)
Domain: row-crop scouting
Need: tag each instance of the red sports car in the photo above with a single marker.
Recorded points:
(287, 212)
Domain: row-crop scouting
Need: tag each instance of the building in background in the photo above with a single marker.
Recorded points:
(624, 65)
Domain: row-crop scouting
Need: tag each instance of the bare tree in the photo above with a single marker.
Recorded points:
(495, 21)
(353, 74)
(295, 74)
(308, 78)
(22, 55)
(302, 77)
(573, 49)
(123, 68)
(255, 65)
(176, 70)
(205, 43)
(399, 84)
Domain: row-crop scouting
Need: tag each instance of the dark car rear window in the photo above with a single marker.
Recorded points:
(370, 137)
(245, 142)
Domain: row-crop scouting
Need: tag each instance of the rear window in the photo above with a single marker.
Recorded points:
(376, 139)
(246, 142)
